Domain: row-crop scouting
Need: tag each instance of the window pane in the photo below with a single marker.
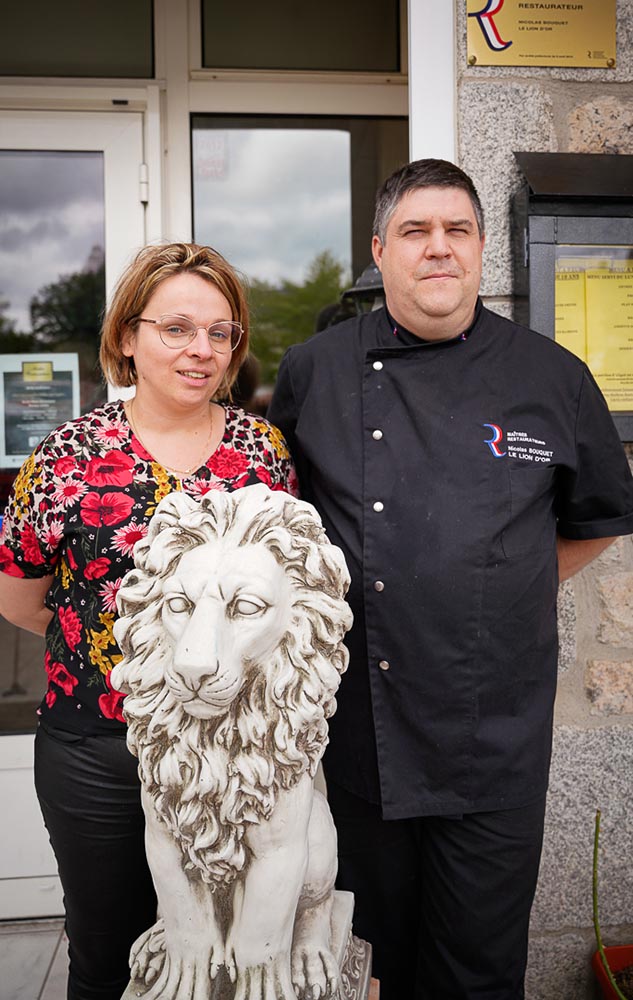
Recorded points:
(52, 291)
(274, 198)
(290, 202)
(357, 35)
(52, 283)
(77, 38)
(52, 277)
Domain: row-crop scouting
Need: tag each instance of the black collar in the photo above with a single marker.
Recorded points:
(401, 335)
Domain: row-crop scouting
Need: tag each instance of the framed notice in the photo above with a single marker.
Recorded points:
(541, 33)
(38, 392)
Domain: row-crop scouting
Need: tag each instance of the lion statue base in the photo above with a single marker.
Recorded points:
(352, 955)
(231, 627)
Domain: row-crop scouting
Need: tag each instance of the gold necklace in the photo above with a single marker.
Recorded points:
(174, 472)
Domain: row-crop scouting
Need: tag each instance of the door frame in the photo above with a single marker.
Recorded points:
(29, 885)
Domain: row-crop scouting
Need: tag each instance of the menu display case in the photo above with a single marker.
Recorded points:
(572, 226)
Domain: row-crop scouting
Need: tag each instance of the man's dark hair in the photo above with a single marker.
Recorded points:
(422, 174)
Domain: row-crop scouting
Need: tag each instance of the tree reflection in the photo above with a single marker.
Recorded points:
(69, 310)
(11, 341)
(66, 317)
(288, 314)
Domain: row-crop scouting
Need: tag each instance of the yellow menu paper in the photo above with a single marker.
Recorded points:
(609, 333)
(569, 309)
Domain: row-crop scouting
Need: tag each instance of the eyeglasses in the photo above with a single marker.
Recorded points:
(178, 331)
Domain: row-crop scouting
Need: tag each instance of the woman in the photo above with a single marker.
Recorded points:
(177, 330)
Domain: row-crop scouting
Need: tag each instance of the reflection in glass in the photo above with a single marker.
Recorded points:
(277, 203)
(52, 276)
(290, 201)
(272, 199)
(52, 292)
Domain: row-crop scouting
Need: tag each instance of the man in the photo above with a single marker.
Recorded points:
(451, 454)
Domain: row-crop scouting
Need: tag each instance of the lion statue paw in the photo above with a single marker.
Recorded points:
(147, 956)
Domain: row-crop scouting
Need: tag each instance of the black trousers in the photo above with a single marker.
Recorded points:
(444, 902)
(89, 794)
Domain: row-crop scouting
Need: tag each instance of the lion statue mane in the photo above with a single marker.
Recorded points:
(208, 779)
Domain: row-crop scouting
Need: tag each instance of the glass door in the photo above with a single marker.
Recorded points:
(70, 217)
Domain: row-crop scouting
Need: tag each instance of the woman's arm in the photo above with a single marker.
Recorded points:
(22, 602)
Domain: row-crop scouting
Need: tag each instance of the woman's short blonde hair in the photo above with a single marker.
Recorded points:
(152, 265)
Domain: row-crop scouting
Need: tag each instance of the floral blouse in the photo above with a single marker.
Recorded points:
(78, 506)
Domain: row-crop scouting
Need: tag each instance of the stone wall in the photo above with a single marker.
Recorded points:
(502, 110)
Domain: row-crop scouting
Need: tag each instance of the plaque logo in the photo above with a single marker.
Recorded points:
(485, 19)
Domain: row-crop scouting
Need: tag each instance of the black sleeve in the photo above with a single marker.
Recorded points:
(283, 411)
(595, 498)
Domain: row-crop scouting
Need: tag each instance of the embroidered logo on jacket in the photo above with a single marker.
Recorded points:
(529, 449)
(519, 444)
(494, 441)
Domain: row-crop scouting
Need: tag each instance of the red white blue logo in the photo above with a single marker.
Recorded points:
(495, 440)
(486, 21)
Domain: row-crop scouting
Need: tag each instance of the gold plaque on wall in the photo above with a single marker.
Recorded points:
(541, 33)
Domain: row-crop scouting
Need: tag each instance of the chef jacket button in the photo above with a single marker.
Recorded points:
(379, 505)
(384, 664)
(377, 366)
(379, 586)
(377, 434)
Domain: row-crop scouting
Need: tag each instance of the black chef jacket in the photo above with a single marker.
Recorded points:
(444, 471)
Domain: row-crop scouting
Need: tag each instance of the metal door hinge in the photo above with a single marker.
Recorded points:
(143, 179)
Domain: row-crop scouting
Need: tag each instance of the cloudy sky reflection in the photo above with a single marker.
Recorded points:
(51, 216)
(269, 199)
(272, 199)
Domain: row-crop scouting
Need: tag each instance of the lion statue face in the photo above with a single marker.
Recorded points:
(225, 611)
(232, 629)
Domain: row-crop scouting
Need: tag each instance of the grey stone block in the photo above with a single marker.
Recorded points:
(566, 626)
(494, 122)
(616, 613)
(559, 968)
(610, 687)
(602, 125)
(613, 557)
(591, 769)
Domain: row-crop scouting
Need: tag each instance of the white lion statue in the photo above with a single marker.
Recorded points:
(231, 627)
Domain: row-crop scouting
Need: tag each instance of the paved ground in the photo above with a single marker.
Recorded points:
(32, 960)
